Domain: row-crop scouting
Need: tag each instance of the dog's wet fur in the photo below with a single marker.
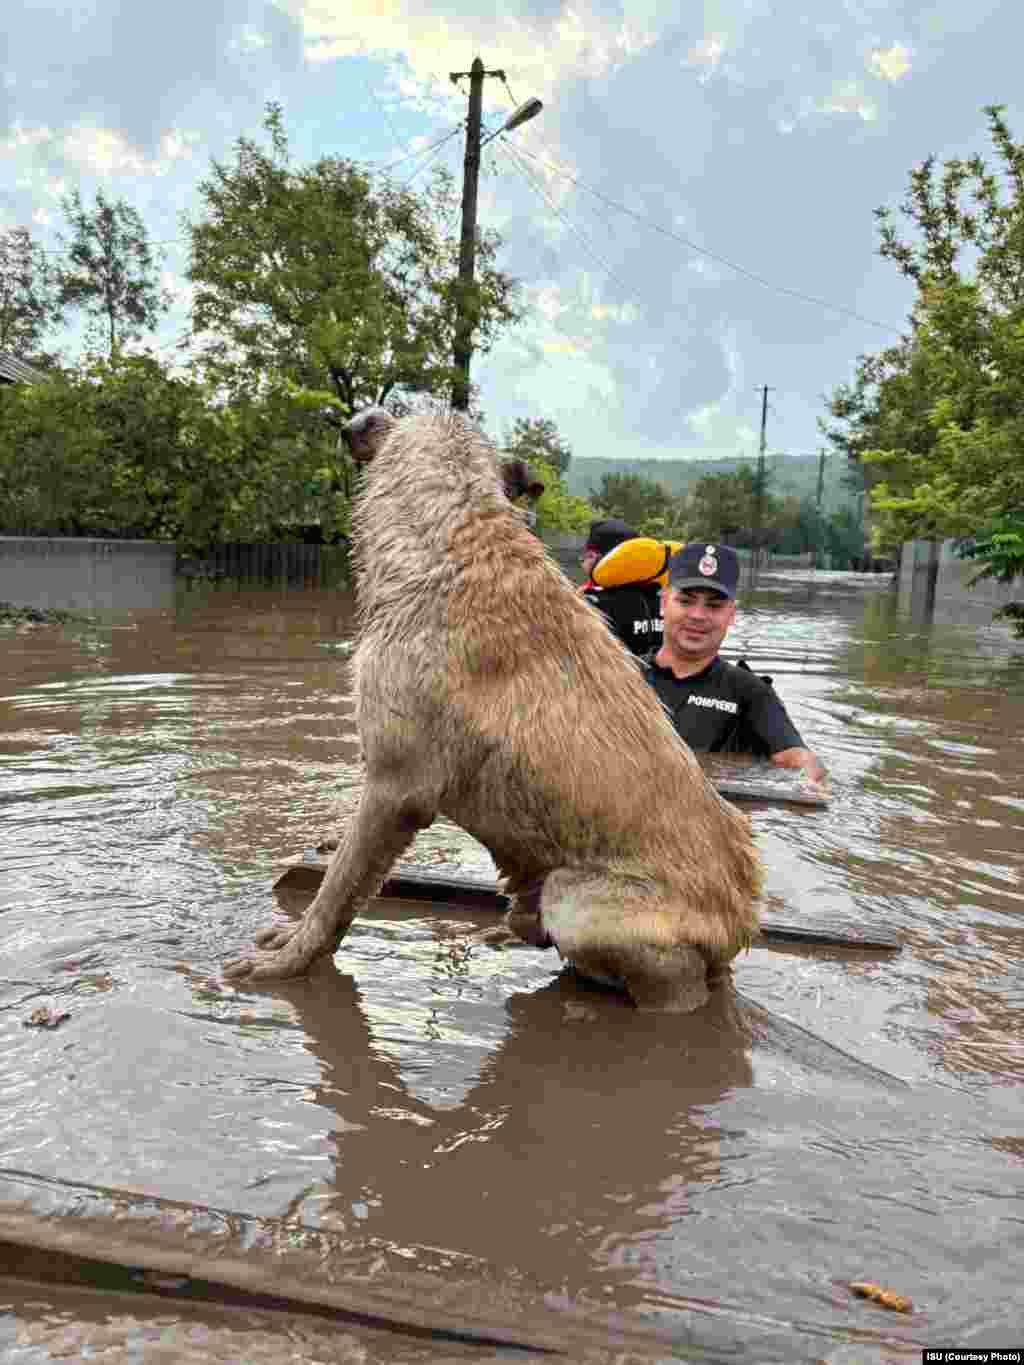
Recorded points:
(489, 692)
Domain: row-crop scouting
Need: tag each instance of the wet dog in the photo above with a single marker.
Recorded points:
(487, 691)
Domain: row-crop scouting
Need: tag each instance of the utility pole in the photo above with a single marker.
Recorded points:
(817, 506)
(759, 509)
(463, 348)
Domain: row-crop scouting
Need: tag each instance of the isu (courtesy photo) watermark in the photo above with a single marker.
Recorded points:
(979, 1355)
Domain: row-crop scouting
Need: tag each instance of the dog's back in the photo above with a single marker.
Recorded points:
(553, 749)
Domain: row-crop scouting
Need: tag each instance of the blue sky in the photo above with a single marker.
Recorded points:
(763, 134)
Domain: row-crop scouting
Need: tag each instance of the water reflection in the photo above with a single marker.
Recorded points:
(537, 1163)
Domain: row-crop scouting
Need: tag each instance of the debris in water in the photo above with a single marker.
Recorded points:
(44, 1017)
(887, 1298)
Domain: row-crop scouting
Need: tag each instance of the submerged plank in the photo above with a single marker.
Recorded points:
(410, 881)
(432, 1297)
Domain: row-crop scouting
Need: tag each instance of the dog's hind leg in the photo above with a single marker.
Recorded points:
(598, 926)
(384, 826)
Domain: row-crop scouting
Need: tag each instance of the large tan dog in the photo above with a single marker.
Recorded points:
(489, 692)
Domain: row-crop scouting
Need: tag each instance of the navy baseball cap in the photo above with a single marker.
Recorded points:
(716, 567)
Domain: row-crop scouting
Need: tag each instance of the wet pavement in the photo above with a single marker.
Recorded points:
(429, 1138)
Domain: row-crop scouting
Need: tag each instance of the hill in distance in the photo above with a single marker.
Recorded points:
(795, 475)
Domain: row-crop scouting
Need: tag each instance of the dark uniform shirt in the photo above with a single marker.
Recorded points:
(724, 709)
(633, 612)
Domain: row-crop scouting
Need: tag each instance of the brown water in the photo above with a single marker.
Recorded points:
(438, 1115)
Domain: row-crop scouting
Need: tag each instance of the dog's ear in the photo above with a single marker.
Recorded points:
(518, 478)
(365, 432)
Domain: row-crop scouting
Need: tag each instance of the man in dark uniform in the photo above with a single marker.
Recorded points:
(715, 706)
(633, 610)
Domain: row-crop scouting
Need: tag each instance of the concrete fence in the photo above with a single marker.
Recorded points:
(71, 573)
(933, 585)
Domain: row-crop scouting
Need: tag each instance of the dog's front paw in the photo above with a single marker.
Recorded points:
(275, 937)
(280, 954)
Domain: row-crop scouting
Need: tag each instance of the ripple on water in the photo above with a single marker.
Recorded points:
(430, 1093)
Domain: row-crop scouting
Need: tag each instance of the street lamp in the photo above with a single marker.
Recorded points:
(462, 349)
(530, 109)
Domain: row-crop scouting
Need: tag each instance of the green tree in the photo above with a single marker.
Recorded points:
(29, 306)
(641, 503)
(722, 506)
(122, 447)
(843, 538)
(937, 422)
(537, 438)
(336, 283)
(557, 509)
(112, 273)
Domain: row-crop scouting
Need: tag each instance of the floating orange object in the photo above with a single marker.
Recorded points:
(887, 1298)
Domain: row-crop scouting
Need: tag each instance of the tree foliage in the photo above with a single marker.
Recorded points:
(641, 503)
(29, 306)
(722, 506)
(121, 447)
(537, 438)
(937, 421)
(333, 281)
(112, 273)
(558, 509)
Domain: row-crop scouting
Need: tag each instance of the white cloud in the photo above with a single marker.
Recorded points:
(890, 63)
(707, 54)
(249, 39)
(107, 152)
(103, 151)
(566, 345)
(547, 300)
(623, 313)
(716, 424)
(848, 98)
(43, 217)
(177, 145)
(24, 139)
(430, 44)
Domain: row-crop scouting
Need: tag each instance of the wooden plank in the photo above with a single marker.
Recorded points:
(410, 881)
(776, 793)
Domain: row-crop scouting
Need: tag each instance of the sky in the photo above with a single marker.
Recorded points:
(691, 215)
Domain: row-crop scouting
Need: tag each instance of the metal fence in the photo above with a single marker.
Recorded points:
(287, 563)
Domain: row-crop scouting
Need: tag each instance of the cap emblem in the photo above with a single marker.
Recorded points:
(708, 564)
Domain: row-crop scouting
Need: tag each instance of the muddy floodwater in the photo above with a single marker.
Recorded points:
(455, 1152)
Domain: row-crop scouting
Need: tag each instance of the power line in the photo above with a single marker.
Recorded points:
(383, 111)
(525, 171)
(714, 256)
(435, 152)
(420, 151)
(511, 149)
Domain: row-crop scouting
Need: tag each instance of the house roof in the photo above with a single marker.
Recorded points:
(15, 371)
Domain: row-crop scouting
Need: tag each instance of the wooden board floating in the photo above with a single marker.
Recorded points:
(776, 793)
(410, 881)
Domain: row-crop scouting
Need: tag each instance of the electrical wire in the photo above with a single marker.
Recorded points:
(435, 152)
(722, 260)
(421, 151)
(383, 112)
(524, 170)
(653, 226)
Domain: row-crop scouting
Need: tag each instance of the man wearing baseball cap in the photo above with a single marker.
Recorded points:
(715, 706)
